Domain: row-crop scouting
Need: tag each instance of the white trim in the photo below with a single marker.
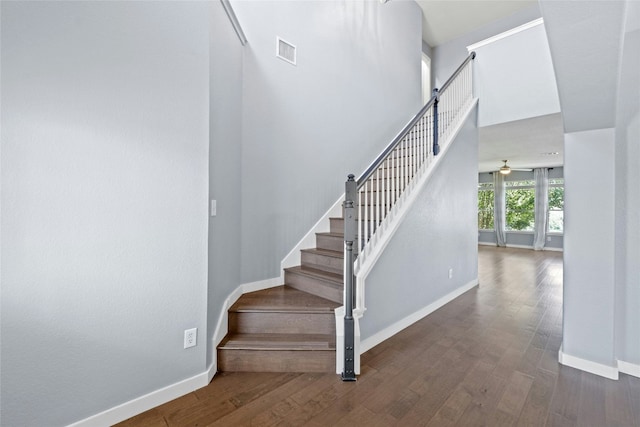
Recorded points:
(260, 285)
(357, 315)
(629, 368)
(309, 240)
(606, 371)
(506, 34)
(393, 329)
(212, 371)
(521, 246)
(158, 397)
(425, 78)
(369, 256)
(222, 326)
(144, 403)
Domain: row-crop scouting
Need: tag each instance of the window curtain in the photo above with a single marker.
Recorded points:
(498, 209)
(541, 176)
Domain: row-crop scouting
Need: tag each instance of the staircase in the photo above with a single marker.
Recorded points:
(290, 328)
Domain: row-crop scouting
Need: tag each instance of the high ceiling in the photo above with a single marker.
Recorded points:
(444, 20)
(524, 143)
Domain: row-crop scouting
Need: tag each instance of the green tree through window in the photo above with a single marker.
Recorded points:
(520, 205)
(556, 205)
(485, 206)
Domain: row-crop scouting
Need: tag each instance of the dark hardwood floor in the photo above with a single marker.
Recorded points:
(488, 358)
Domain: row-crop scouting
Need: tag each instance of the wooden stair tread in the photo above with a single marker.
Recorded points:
(290, 328)
(325, 252)
(317, 274)
(283, 299)
(330, 234)
(302, 342)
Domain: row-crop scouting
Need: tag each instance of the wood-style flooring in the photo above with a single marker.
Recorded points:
(488, 358)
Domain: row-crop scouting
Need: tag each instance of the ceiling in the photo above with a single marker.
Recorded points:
(528, 143)
(524, 143)
(445, 20)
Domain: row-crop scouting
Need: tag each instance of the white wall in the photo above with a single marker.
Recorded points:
(305, 127)
(104, 213)
(514, 78)
(440, 232)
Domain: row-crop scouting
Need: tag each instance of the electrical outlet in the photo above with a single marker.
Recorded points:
(451, 273)
(190, 337)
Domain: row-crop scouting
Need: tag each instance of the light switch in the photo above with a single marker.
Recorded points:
(214, 208)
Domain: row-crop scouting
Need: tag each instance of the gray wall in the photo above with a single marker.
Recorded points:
(104, 214)
(520, 238)
(448, 56)
(225, 150)
(588, 314)
(437, 234)
(627, 160)
(426, 49)
(114, 115)
(305, 127)
(601, 272)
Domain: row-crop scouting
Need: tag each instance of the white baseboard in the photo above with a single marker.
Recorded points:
(155, 398)
(393, 329)
(144, 403)
(521, 246)
(212, 371)
(629, 368)
(223, 323)
(606, 371)
(527, 247)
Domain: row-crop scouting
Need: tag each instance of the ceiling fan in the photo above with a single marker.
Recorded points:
(506, 170)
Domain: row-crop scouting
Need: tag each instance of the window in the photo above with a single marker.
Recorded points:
(485, 206)
(520, 205)
(556, 205)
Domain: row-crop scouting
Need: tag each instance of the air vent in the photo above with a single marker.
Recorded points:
(286, 51)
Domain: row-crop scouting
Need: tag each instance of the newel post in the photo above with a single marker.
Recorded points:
(436, 146)
(350, 232)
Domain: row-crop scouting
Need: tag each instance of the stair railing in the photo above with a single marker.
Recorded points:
(373, 199)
